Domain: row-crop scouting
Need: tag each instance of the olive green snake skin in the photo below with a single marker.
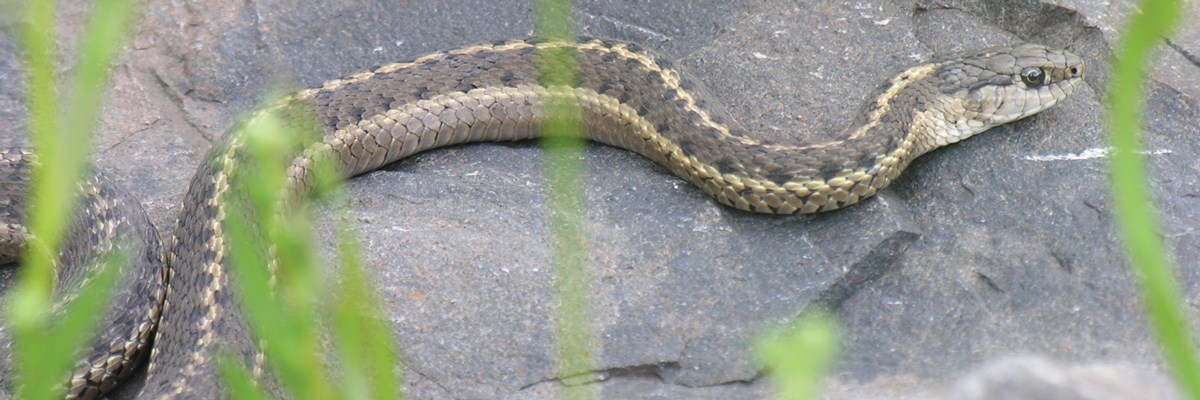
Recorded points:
(629, 98)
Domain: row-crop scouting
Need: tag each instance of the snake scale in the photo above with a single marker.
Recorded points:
(629, 98)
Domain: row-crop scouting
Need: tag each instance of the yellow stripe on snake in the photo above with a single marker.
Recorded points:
(629, 98)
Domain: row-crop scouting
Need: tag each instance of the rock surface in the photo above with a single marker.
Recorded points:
(1035, 378)
(1000, 245)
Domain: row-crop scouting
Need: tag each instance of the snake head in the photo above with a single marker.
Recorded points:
(1003, 84)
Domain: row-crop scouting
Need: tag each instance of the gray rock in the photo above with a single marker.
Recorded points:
(1002, 244)
(1036, 378)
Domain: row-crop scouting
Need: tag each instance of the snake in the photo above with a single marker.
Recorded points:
(177, 300)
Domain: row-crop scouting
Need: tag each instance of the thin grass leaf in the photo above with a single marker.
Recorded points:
(563, 141)
(240, 382)
(364, 340)
(102, 40)
(1134, 207)
(286, 321)
(799, 356)
(289, 345)
(46, 351)
(62, 139)
(51, 188)
(62, 136)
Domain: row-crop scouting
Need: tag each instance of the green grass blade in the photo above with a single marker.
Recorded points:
(57, 342)
(45, 351)
(364, 338)
(61, 133)
(285, 316)
(799, 356)
(282, 316)
(240, 382)
(564, 145)
(51, 187)
(63, 139)
(364, 344)
(291, 346)
(102, 41)
(30, 301)
(1135, 211)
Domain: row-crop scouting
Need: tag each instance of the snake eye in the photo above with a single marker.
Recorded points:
(1033, 77)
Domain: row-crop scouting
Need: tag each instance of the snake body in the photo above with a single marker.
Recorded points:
(629, 98)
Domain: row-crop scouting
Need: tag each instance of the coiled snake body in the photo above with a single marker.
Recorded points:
(629, 98)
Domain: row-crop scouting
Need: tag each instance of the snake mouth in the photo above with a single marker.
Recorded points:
(1071, 84)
